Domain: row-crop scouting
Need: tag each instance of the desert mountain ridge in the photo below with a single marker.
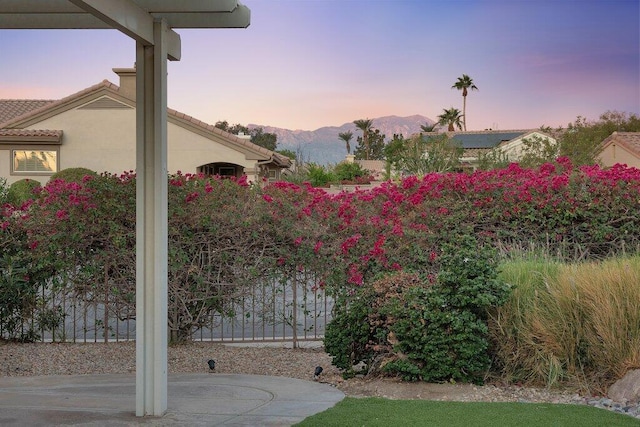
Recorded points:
(323, 146)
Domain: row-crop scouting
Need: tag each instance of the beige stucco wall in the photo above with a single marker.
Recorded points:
(100, 140)
(615, 153)
(513, 149)
(187, 150)
(105, 140)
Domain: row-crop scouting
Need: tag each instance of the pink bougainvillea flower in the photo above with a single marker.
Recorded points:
(242, 182)
(191, 197)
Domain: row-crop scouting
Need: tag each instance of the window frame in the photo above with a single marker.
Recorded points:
(27, 148)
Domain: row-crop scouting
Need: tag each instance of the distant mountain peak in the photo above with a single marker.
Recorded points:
(323, 145)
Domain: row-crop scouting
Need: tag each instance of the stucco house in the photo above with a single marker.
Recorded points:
(621, 147)
(96, 129)
(476, 143)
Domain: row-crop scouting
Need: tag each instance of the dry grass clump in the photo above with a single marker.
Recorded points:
(570, 324)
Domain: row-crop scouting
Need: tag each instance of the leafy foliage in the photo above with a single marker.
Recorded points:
(452, 118)
(346, 171)
(319, 176)
(258, 135)
(73, 174)
(4, 191)
(538, 150)
(373, 148)
(348, 335)
(21, 191)
(346, 137)
(581, 140)
(464, 84)
(493, 159)
(225, 236)
(421, 155)
(288, 153)
(432, 329)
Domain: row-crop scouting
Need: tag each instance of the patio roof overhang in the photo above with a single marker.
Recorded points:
(150, 23)
(133, 17)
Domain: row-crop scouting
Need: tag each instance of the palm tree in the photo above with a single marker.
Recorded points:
(452, 118)
(464, 84)
(346, 137)
(365, 126)
(429, 127)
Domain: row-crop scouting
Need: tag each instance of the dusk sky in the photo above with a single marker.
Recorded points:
(304, 64)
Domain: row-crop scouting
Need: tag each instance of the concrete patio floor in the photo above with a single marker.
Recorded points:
(193, 400)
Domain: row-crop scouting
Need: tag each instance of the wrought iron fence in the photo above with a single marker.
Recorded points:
(268, 312)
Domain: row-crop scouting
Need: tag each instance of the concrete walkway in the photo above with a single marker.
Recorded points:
(193, 400)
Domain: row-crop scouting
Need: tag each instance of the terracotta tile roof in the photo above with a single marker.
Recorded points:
(46, 133)
(629, 140)
(12, 108)
(105, 84)
(279, 158)
(52, 104)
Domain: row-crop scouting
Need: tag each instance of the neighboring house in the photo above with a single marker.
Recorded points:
(96, 129)
(477, 143)
(621, 147)
(375, 167)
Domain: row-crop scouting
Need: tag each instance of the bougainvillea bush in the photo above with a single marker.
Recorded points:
(226, 235)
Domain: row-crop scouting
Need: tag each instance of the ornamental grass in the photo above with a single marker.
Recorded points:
(571, 324)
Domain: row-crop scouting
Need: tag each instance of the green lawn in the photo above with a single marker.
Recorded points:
(383, 412)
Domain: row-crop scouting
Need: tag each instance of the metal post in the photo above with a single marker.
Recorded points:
(151, 224)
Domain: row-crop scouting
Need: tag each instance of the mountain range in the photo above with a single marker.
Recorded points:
(323, 146)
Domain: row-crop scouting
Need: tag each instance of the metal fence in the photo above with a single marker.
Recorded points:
(268, 312)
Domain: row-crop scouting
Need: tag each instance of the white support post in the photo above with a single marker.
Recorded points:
(151, 224)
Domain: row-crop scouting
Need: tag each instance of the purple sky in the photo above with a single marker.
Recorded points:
(303, 64)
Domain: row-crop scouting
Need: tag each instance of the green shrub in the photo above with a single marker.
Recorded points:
(4, 191)
(17, 298)
(348, 335)
(421, 328)
(319, 176)
(346, 171)
(73, 174)
(442, 330)
(21, 191)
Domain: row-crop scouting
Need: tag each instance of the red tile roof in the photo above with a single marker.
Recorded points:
(52, 104)
(46, 133)
(39, 106)
(12, 108)
(629, 140)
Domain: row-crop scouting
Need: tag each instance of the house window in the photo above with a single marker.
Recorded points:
(34, 161)
(227, 171)
(273, 175)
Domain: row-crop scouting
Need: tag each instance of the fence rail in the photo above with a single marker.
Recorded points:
(269, 312)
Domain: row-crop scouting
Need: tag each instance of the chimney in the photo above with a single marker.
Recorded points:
(127, 81)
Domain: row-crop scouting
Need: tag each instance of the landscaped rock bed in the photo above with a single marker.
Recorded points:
(112, 358)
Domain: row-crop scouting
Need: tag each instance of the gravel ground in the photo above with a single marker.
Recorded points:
(278, 360)
(99, 358)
